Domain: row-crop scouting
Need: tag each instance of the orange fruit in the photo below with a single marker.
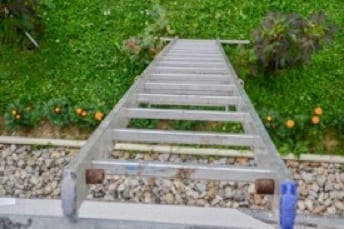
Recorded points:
(78, 111)
(17, 116)
(57, 110)
(83, 113)
(268, 118)
(290, 123)
(318, 111)
(98, 115)
(14, 112)
(315, 120)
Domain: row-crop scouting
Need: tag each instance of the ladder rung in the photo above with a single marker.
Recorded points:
(193, 55)
(200, 59)
(216, 78)
(183, 86)
(191, 64)
(193, 92)
(183, 171)
(175, 114)
(183, 137)
(194, 51)
(184, 69)
(164, 99)
(185, 48)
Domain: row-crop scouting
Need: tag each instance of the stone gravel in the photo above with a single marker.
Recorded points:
(31, 172)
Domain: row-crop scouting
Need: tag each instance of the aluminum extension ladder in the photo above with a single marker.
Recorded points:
(186, 73)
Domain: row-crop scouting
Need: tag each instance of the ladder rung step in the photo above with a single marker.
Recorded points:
(192, 77)
(174, 114)
(199, 59)
(193, 92)
(183, 171)
(193, 54)
(164, 99)
(200, 70)
(213, 78)
(183, 137)
(166, 63)
(185, 86)
(186, 48)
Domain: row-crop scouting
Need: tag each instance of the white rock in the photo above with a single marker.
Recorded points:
(251, 189)
(309, 204)
(331, 210)
(301, 205)
(308, 177)
(339, 205)
(315, 187)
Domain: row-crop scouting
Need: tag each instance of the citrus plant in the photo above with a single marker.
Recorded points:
(18, 115)
(58, 111)
(297, 134)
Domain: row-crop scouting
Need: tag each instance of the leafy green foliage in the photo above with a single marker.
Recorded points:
(18, 115)
(300, 133)
(82, 55)
(338, 123)
(289, 40)
(146, 45)
(58, 111)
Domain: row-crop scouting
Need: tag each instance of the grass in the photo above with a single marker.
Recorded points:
(80, 55)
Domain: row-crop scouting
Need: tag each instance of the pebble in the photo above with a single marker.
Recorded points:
(251, 189)
(301, 205)
(308, 177)
(37, 174)
(169, 198)
(309, 204)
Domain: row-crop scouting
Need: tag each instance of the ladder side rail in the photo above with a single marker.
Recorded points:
(266, 155)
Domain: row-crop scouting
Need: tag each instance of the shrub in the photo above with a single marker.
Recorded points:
(87, 115)
(18, 115)
(297, 134)
(289, 40)
(146, 45)
(58, 111)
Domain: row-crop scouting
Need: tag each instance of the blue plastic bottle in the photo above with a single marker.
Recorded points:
(288, 201)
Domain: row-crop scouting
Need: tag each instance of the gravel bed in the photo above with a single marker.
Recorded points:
(31, 172)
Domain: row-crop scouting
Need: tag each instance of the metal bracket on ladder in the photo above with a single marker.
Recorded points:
(185, 73)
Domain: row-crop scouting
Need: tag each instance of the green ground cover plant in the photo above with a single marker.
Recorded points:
(83, 58)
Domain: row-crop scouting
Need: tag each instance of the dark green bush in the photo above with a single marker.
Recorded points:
(289, 40)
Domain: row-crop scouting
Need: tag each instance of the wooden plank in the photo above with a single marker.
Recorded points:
(183, 137)
(175, 114)
(164, 99)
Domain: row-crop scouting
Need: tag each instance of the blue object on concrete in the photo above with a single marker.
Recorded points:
(288, 201)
